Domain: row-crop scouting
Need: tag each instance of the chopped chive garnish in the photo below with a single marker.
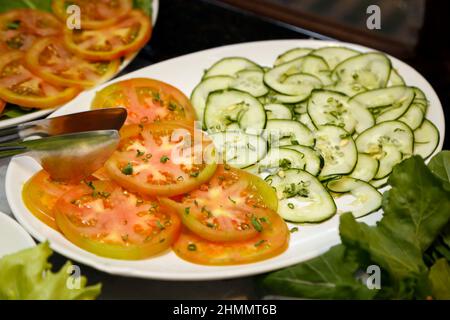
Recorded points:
(256, 224)
(192, 247)
(128, 169)
(164, 159)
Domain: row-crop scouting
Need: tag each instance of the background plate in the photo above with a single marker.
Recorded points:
(185, 72)
(42, 113)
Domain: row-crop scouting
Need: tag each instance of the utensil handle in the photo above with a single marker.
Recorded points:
(9, 151)
(9, 134)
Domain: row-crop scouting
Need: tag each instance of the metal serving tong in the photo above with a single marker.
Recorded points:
(73, 147)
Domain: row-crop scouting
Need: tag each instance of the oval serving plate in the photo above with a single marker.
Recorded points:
(185, 72)
(13, 237)
(42, 113)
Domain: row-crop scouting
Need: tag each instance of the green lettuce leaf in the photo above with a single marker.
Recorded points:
(44, 5)
(329, 276)
(440, 280)
(27, 275)
(440, 166)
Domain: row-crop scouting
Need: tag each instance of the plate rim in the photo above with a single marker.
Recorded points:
(18, 228)
(330, 235)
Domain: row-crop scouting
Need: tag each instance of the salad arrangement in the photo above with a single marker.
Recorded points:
(317, 125)
(44, 62)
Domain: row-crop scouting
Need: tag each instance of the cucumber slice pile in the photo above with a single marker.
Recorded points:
(319, 125)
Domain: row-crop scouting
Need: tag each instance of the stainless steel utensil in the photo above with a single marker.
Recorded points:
(99, 119)
(69, 157)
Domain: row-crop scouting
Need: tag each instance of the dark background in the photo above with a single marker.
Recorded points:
(186, 26)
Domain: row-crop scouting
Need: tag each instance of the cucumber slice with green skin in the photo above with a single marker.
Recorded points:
(338, 150)
(232, 106)
(328, 107)
(287, 132)
(203, 89)
(334, 55)
(303, 84)
(388, 103)
(366, 168)
(238, 149)
(302, 198)
(278, 111)
(278, 159)
(389, 142)
(367, 199)
(426, 139)
(413, 117)
(379, 183)
(301, 107)
(311, 65)
(395, 79)
(250, 81)
(306, 120)
(292, 55)
(313, 160)
(274, 97)
(230, 67)
(420, 100)
(368, 71)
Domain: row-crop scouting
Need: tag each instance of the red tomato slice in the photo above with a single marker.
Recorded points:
(128, 35)
(109, 221)
(161, 159)
(270, 242)
(20, 28)
(40, 194)
(2, 106)
(146, 100)
(229, 207)
(94, 14)
(49, 59)
(19, 86)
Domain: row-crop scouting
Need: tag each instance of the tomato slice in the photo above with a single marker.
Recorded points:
(49, 59)
(19, 86)
(128, 35)
(94, 14)
(109, 221)
(20, 28)
(270, 242)
(227, 207)
(146, 100)
(161, 159)
(40, 194)
(2, 106)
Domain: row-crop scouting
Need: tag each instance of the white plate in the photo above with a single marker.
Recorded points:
(41, 113)
(185, 72)
(13, 237)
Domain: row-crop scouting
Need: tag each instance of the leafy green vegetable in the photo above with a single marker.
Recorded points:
(27, 275)
(416, 216)
(440, 166)
(329, 276)
(440, 279)
(144, 5)
(44, 5)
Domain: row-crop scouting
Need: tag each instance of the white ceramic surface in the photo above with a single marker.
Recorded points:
(13, 237)
(42, 113)
(185, 72)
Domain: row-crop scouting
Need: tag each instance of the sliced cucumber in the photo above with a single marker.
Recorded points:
(238, 149)
(426, 139)
(204, 88)
(274, 97)
(278, 159)
(250, 81)
(292, 55)
(367, 71)
(420, 100)
(232, 106)
(287, 132)
(379, 183)
(313, 160)
(230, 67)
(335, 55)
(366, 168)
(314, 66)
(337, 149)
(329, 107)
(302, 198)
(413, 117)
(301, 107)
(395, 79)
(388, 103)
(306, 120)
(367, 199)
(278, 111)
(389, 142)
